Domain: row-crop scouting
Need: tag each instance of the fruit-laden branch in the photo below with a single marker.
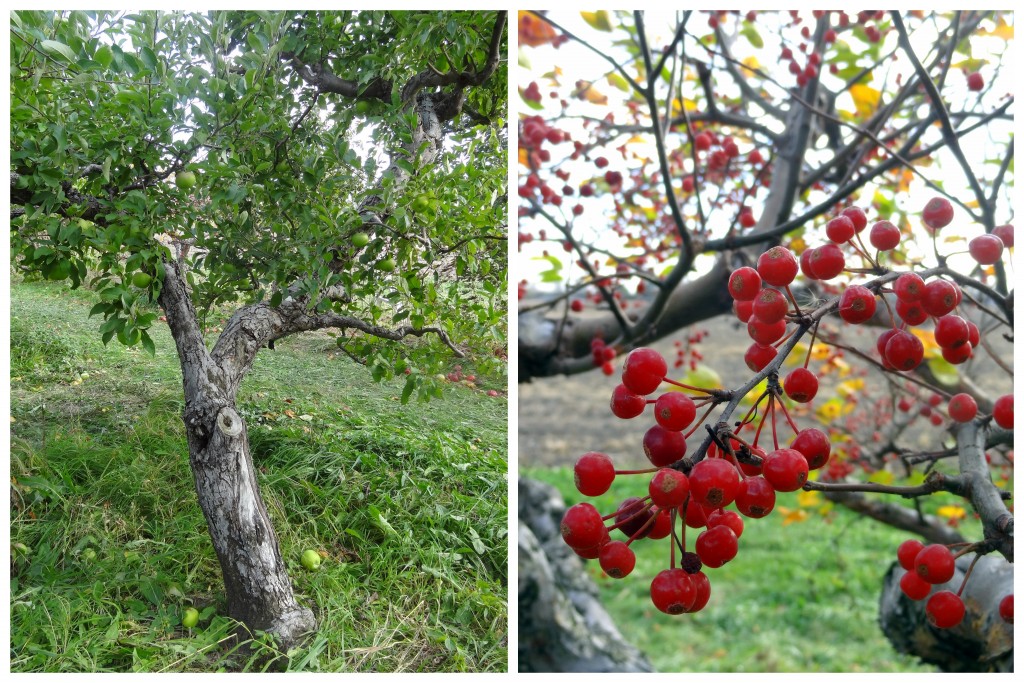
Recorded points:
(933, 483)
(324, 80)
(997, 521)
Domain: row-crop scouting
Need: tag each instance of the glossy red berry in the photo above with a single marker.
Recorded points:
(743, 310)
(904, 351)
(662, 446)
(765, 333)
(814, 445)
(884, 236)
(672, 591)
(1006, 608)
(935, 564)
(857, 304)
(785, 469)
(1004, 233)
(755, 497)
(940, 297)
(801, 385)
(702, 587)
(951, 331)
(770, 305)
(937, 213)
(1002, 411)
(911, 312)
(702, 141)
(616, 559)
(668, 488)
(643, 371)
(945, 609)
(625, 404)
(806, 267)
(582, 526)
(957, 354)
(907, 553)
(758, 356)
(914, 587)
(714, 482)
(632, 516)
(975, 81)
(986, 249)
(827, 261)
(857, 216)
(728, 518)
(840, 229)
(716, 546)
(909, 287)
(594, 473)
(695, 515)
(962, 408)
(674, 411)
(662, 526)
(744, 283)
(777, 266)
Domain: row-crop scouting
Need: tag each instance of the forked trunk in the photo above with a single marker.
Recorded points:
(259, 592)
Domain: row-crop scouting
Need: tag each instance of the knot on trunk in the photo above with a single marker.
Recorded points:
(229, 422)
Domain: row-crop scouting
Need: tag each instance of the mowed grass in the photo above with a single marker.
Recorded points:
(407, 505)
(798, 597)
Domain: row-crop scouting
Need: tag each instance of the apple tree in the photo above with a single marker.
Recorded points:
(340, 171)
(840, 184)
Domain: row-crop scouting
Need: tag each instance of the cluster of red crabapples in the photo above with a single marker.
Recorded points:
(735, 470)
(928, 566)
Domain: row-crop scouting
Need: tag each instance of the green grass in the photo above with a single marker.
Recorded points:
(798, 597)
(406, 503)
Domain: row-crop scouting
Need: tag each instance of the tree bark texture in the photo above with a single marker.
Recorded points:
(983, 642)
(258, 589)
(562, 625)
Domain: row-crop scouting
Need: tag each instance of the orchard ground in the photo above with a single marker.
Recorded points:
(405, 505)
(799, 596)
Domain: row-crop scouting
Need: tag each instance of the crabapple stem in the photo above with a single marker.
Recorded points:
(686, 386)
(700, 421)
(970, 569)
(785, 411)
(792, 298)
(649, 470)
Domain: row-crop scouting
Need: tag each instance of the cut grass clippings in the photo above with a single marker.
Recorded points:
(406, 504)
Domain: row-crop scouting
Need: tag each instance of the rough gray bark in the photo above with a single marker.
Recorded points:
(983, 642)
(562, 624)
(259, 592)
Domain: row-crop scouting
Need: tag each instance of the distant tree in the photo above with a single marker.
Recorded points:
(338, 170)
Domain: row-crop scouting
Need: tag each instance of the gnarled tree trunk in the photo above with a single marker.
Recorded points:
(259, 592)
(983, 642)
(562, 624)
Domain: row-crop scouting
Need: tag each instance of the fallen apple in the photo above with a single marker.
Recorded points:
(310, 559)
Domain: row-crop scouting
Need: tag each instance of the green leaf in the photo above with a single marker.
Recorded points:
(52, 46)
(148, 344)
(751, 34)
(104, 55)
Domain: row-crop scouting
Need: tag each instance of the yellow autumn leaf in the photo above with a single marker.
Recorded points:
(1002, 30)
(751, 64)
(523, 157)
(842, 366)
(821, 350)
(951, 512)
(927, 338)
(798, 244)
(883, 477)
(797, 356)
(600, 20)
(586, 91)
(792, 516)
(865, 98)
(850, 387)
(830, 410)
(808, 499)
